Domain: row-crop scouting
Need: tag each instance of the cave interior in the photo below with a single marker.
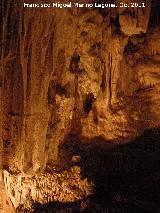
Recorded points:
(80, 108)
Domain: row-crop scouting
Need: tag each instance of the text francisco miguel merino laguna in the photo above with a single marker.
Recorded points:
(67, 5)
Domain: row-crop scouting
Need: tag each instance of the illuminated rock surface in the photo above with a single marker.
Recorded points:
(64, 187)
(77, 86)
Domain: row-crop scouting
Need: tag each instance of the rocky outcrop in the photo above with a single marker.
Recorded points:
(64, 187)
(134, 19)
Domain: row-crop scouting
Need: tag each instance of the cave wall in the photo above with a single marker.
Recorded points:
(80, 71)
(68, 76)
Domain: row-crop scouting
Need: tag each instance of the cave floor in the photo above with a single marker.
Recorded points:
(126, 177)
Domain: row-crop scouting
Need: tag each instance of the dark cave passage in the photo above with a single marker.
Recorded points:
(126, 177)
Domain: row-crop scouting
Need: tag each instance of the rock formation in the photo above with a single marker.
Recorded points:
(69, 76)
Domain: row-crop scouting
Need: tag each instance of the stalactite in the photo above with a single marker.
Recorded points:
(76, 119)
(2, 74)
(110, 82)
